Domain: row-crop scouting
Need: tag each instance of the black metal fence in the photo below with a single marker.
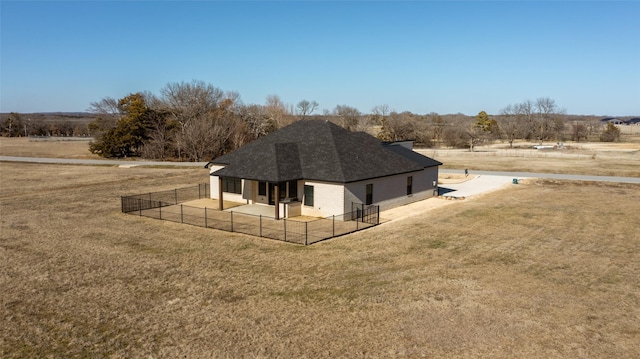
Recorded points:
(168, 205)
(366, 213)
(151, 200)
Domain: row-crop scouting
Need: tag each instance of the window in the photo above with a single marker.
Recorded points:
(232, 185)
(308, 195)
(409, 185)
(262, 188)
(369, 194)
(293, 189)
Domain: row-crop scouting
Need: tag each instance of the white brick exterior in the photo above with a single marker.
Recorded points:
(328, 199)
(389, 192)
(336, 198)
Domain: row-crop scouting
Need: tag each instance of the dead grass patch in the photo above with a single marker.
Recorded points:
(546, 269)
(602, 159)
(51, 148)
(447, 178)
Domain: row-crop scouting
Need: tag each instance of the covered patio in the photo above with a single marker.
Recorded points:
(256, 209)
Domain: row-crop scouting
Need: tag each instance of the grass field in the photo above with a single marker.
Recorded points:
(604, 159)
(543, 269)
(600, 159)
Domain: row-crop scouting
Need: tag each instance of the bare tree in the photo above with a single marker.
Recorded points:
(400, 126)
(109, 113)
(526, 117)
(545, 107)
(480, 131)
(509, 123)
(188, 101)
(347, 117)
(476, 136)
(306, 108)
(161, 132)
(255, 119)
(455, 135)
(210, 135)
(277, 114)
(579, 131)
(194, 107)
(437, 126)
(379, 113)
(108, 106)
(153, 102)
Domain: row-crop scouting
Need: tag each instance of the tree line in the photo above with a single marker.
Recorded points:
(195, 121)
(14, 124)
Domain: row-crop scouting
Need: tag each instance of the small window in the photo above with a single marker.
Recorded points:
(232, 185)
(369, 194)
(308, 195)
(409, 185)
(262, 188)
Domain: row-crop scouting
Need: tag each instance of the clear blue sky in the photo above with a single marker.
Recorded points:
(420, 56)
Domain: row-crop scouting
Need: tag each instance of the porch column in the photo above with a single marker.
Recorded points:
(220, 199)
(277, 200)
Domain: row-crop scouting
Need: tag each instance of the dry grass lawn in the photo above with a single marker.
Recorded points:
(46, 147)
(600, 159)
(544, 269)
(603, 159)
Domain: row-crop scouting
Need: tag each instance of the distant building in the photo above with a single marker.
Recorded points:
(633, 121)
(613, 120)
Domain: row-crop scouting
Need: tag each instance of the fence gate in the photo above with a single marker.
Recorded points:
(365, 213)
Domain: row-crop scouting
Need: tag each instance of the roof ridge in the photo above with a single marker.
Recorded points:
(319, 150)
(334, 146)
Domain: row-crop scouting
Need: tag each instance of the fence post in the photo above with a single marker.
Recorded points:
(160, 210)
(199, 191)
(333, 229)
(260, 225)
(306, 233)
(175, 191)
(378, 219)
(357, 224)
(140, 206)
(205, 217)
(285, 229)
(231, 221)
(181, 215)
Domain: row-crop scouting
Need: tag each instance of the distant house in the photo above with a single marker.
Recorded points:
(633, 121)
(613, 120)
(316, 168)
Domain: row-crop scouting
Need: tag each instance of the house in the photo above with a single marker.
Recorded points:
(317, 168)
(613, 120)
(633, 121)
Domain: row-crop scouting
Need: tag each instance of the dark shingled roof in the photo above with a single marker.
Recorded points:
(319, 150)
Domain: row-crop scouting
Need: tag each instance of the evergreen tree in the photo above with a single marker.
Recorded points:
(127, 137)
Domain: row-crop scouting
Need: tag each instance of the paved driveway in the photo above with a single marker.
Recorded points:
(476, 184)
